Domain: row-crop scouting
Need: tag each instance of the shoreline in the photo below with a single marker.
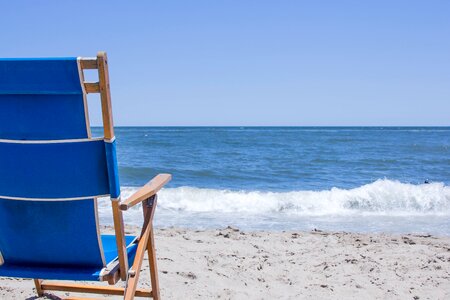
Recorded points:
(233, 264)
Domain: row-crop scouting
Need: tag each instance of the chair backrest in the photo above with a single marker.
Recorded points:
(51, 169)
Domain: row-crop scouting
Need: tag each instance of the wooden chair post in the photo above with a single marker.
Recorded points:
(153, 266)
(39, 291)
(149, 212)
(148, 208)
(108, 128)
(120, 239)
(105, 95)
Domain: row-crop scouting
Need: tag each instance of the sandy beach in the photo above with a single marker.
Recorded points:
(231, 264)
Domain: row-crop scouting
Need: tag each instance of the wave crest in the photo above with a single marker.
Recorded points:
(383, 197)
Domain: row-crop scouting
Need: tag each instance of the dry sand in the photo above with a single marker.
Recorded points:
(230, 264)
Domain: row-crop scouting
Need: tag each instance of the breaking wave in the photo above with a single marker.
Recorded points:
(382, 197)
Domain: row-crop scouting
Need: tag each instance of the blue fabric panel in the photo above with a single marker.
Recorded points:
(55, 273)
(39, 76)
(53, 170)
(42, 117)
(113, 172)
(41, 99)
(110, 246)
(49, 233)
(73, 273)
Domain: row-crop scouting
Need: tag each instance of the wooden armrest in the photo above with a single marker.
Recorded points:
(145, 192)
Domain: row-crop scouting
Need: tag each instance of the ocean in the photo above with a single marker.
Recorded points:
(357, 179)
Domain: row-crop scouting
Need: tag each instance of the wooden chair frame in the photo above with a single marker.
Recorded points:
(147, 195)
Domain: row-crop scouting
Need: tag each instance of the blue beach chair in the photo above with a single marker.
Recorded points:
(51, 173)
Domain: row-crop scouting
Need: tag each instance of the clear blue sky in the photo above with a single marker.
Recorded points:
(252, 62)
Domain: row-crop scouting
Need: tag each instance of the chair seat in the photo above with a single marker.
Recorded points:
(71, 272)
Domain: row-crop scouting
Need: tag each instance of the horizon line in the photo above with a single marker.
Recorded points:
(305, 126)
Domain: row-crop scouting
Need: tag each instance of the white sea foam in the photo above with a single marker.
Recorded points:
(382, 197)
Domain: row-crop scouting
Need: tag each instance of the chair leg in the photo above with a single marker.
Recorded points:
(153, 266)
(146, 242)
(134, 272)
(39, 291)
(148, 238)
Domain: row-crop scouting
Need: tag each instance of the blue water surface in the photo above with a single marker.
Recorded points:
(283, 158)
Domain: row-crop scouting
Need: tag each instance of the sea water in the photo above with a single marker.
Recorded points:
(361, 179)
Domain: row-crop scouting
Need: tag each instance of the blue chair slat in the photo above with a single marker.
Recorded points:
(49, 233)
(72, 273)
(42, 117)
(41, 99)
(43, 272)
(39, 76)
(53, 170)
(110, 247)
